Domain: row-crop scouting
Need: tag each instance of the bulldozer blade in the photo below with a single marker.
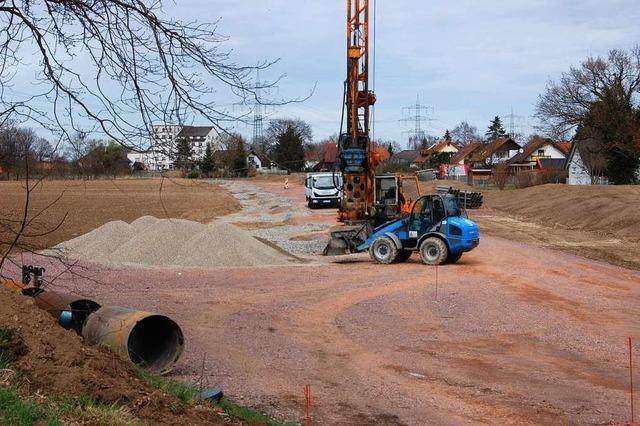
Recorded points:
(337, 246)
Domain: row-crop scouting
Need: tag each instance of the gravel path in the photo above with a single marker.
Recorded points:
(260, 206)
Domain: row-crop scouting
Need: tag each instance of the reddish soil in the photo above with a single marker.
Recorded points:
(86, 205)
(512, 334)
(57, 364)
(598, 222)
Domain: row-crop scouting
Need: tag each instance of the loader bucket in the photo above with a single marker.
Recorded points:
(346, 240)
(337, 246)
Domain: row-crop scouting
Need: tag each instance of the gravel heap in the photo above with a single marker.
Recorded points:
(149, 241)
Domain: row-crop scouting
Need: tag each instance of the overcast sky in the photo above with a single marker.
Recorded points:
(469, 60)
(466, 59)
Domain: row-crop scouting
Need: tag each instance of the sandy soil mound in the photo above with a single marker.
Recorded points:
(57, 363)
(609, 210)
(149, 241)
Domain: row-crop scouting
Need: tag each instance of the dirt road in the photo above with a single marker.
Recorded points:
(513, 334)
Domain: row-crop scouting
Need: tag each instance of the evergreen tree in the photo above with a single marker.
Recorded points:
(183, 154)
(447, 136)
(207, 164)
(495, 130)
(390, 149)
(289, 150)
(238, 157)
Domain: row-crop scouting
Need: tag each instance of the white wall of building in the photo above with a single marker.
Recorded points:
(253, 160)
(546, 151)
(502, 156)
(578, 174)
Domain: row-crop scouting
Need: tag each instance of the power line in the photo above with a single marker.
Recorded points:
(415, 115)
(258, 118)
(514, 123)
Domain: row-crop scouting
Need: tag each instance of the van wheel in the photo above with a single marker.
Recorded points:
(309, 203)
(383, 250)
(434, 251)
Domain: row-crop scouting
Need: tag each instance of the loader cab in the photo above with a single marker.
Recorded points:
(428, 211)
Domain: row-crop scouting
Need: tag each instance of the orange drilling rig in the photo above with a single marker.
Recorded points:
(354, 145)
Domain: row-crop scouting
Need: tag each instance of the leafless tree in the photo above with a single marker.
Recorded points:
(465, 133)
(279, 126)
(565, 104)
(599, 99)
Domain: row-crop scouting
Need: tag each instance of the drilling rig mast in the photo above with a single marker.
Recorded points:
(354, 144)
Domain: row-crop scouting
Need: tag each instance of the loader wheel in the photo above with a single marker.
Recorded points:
(383, 250)
(453, 258)
(434, 251)
(403, 256)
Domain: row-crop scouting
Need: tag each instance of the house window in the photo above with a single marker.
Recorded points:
(541, 152)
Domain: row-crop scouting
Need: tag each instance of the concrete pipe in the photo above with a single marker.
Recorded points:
(152, 341)
(70, 311)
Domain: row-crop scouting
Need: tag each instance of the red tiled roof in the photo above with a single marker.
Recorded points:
(465, 152)
(564, 146)
(537, 143)
(485, 151)
(330, 153)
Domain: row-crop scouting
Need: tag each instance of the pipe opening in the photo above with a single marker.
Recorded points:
(81, 309)
(155, 342)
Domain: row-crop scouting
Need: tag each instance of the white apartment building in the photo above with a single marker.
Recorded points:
(163, 142)
(199, 137)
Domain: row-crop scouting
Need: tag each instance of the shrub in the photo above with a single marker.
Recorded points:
(193, 174)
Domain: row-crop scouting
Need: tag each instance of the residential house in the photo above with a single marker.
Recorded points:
(150, 159)
(464, 153)
(329, 158)
(439, 147)
(585, 163)
(312, 158)
(540, 153)
(258, 160)
(496, 152)
(408, 158)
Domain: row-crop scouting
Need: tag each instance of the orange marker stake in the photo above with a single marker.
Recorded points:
(631, 382)
(307, 405)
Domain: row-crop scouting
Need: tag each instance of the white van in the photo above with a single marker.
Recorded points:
(323, 189)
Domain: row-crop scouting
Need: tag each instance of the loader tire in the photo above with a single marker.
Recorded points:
(383, 250)
(403, 256)
(434, 251)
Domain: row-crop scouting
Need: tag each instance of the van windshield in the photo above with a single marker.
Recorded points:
(325, 182)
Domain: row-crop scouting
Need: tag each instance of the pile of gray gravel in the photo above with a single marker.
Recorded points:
(149, 241)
